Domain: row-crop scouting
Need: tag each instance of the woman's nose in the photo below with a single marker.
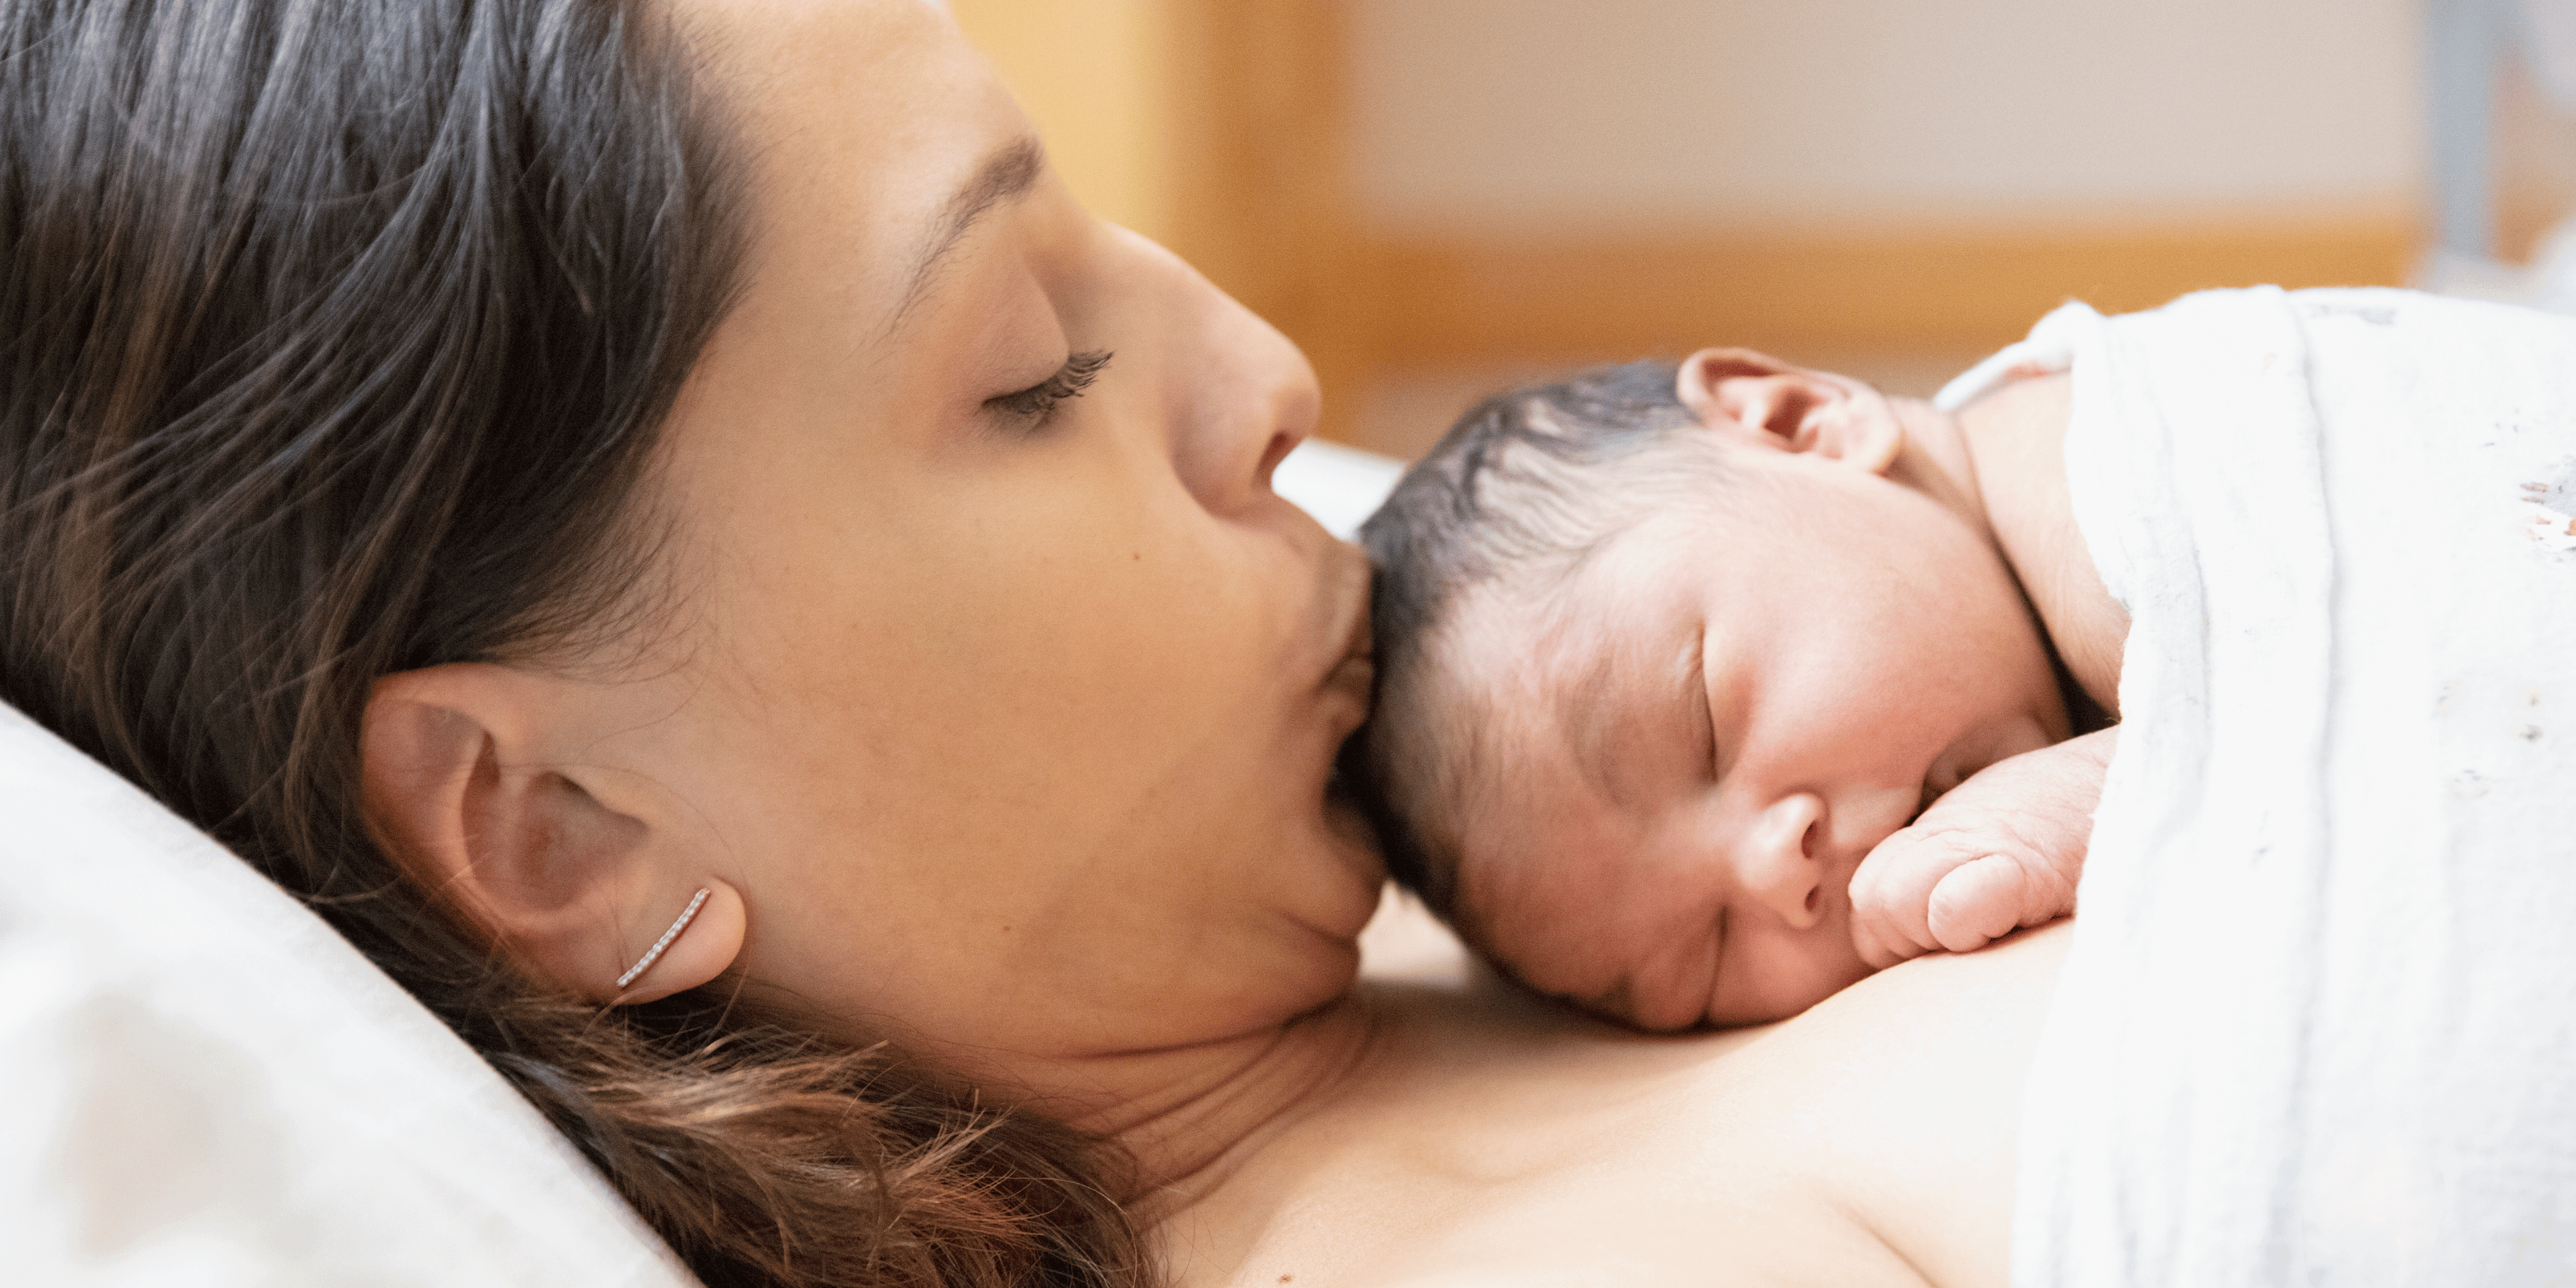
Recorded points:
(1245, 421)
(1247, 398)
(1777, 870)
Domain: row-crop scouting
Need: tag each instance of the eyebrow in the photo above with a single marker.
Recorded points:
(1587, 720)
(1005, 176)
(1596, 729)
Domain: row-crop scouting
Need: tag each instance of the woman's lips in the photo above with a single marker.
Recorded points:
(1351, 667)
(1356, 676)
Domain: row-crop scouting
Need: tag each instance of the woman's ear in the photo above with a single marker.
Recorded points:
(1738, 391)
(561, 865)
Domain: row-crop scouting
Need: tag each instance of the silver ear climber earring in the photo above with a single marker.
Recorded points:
(654, 953)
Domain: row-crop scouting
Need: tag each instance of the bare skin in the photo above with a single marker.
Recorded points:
(1484, 1137)
(999, 722)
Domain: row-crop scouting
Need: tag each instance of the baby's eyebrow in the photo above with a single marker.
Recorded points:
(1598, 728)
(1588, 715)
(1695, 697)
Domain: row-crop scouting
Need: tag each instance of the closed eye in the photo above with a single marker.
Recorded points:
(1030, 409)
(1698, 700)
(1717, 962)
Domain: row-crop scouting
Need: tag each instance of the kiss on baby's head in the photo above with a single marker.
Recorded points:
(1513, 498)
(1663, 654)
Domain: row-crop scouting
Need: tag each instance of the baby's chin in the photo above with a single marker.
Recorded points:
(1582, 970)
(1792, 998)
(1659, 1011)
(1781, 998)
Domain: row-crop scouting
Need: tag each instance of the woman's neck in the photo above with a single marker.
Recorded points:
(1189, 1116)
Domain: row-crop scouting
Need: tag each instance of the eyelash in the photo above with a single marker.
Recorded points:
(1036, 405)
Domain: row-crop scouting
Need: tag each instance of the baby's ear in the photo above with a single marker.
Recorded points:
(1768, 403)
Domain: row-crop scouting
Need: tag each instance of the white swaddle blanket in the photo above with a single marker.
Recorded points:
(2318, 1023)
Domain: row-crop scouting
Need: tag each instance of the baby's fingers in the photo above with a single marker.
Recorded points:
(1977, 903)
(1881, 947)
(1891, 891)
(1980, 902)
(1875, 928)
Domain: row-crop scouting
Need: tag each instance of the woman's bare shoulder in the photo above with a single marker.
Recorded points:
(1491, 1136)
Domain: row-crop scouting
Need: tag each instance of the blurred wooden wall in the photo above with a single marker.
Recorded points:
(1222, 128)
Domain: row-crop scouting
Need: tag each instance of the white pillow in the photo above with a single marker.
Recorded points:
(1338, 485)
(202, 1083)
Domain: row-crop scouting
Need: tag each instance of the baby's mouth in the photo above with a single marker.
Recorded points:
(1971, 755)
(1947, 770)
(1955, 765)
(1356, 673)
(1352, 668)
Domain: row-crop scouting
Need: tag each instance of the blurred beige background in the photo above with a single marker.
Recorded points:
(1438, 196)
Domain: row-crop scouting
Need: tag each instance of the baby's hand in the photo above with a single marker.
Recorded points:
(1999, 851)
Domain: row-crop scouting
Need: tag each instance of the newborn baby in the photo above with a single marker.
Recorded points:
(1706, 692)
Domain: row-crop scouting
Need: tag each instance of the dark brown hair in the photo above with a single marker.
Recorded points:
(338, 333)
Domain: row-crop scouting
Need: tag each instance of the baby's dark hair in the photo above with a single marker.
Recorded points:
(1521, 490)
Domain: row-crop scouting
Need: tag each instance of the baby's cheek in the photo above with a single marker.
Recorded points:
(1565, 953)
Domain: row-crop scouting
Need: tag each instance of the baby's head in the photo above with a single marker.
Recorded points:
(1663, 654)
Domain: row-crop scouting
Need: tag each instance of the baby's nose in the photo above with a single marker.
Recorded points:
(1777, 869)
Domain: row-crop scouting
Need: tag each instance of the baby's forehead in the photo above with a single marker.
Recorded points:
(1559, 642)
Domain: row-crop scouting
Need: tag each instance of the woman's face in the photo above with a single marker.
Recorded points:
(1007, 701)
